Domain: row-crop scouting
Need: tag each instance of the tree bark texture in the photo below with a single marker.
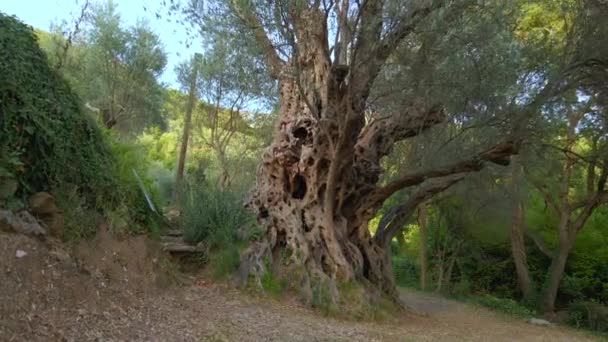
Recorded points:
(187, 122)
(518, 248)
(423, 260)
(317, 186)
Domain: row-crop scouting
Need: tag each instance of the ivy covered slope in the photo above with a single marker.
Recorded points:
(47, 141)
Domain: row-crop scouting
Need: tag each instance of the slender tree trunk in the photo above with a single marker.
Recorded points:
(224, 179)
(440, 273)
(518, 250)
(566, 239)
(556, 271)
(572, 214)
(453, 257)
(187, 121)
(423, 259)
(558, 264)
(400, 239)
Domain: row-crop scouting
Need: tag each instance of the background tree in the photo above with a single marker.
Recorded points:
(113, 68)
(230, 85)
(518, 247)
(124, 64)
(577, 139)
(572, 203)
(188, 77)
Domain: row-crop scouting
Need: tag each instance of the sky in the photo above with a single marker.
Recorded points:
(41, 13)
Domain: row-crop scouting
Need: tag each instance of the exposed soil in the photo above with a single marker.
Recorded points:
(117, 289)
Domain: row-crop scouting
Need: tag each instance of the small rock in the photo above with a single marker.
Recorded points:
(42, 203)
(172, 214)
(22, 222)
(20, 253)
(8, 221)
(30, 224)
(539, 321)
(60, 255)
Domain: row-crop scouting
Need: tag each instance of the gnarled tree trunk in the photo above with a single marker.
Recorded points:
(315, 182)
(317, 185)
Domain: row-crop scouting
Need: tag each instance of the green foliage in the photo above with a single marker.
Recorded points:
(112, 67)
(364, 304)
(590, 315)
(218, 220)
(322, 298)
(80, 221)
(272, 284)
(213, 149)
(491, 268)
(462, 288)
(224, 261)
(406, 272)
(163, 181)
(212, 215)
(48, 144)
(130, 159)
(45, 137)
(161, 145)
(508, 306)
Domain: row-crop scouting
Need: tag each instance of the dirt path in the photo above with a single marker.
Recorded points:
(471, 322)
(216, 313)
(45, 296)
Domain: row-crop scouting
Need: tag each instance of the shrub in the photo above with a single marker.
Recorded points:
(508, 306)
(79, 220)
(322, 298)
(213, 216)
(129, 164)
(405, 272)
(272, 284)
(462, 287)
(590, 315)
(224, 261)
(365, 304)
(163, 181)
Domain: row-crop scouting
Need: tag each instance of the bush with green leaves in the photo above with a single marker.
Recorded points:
(272, 284)
(224, 261)
(406, 271)
(217, 219)
(213, 216)
(505, 305)
(590, 315)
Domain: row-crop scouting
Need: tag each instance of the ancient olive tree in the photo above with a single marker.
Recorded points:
(319, 183)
